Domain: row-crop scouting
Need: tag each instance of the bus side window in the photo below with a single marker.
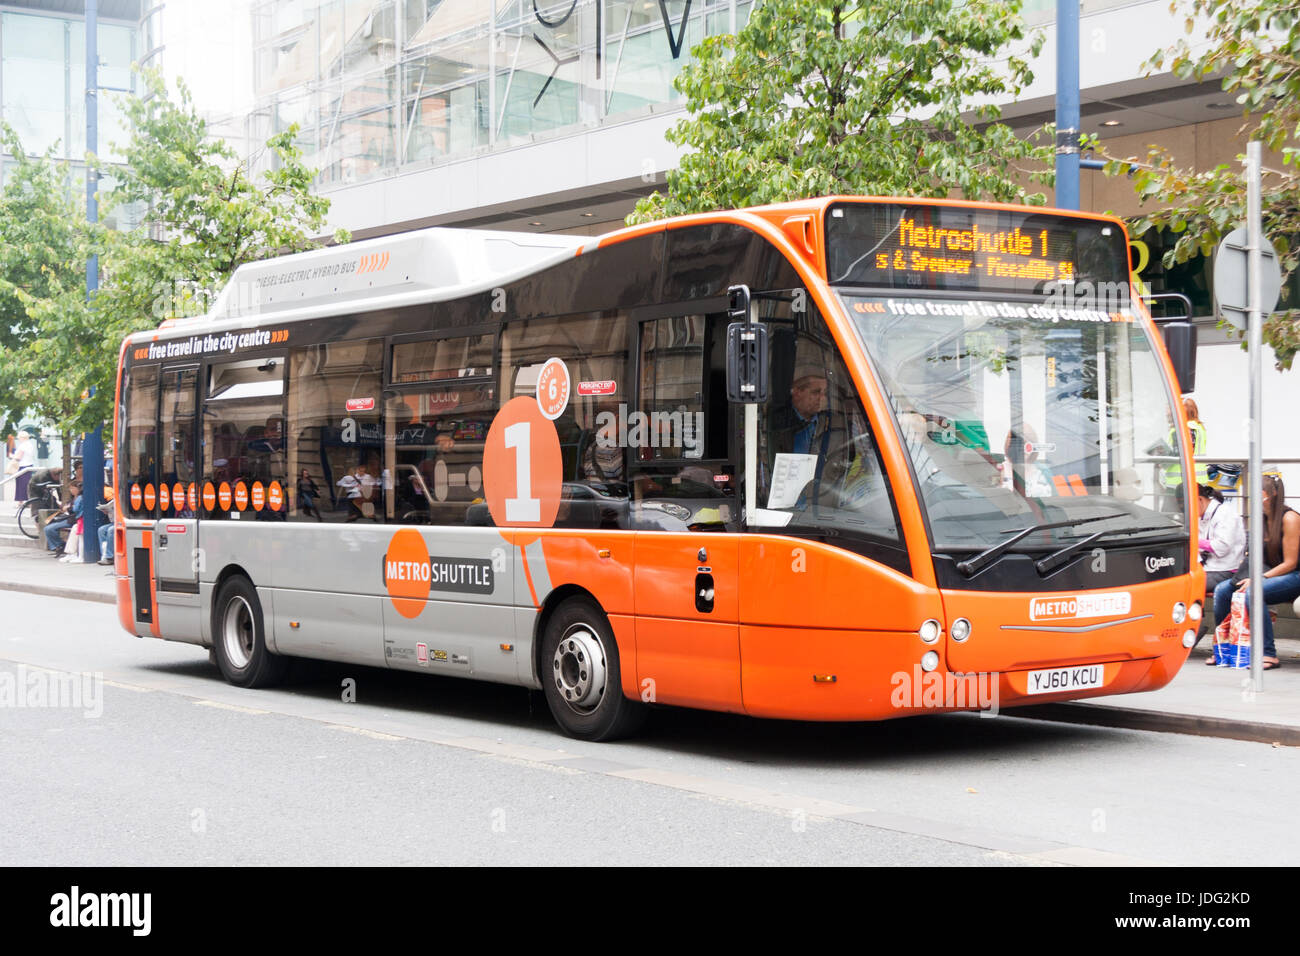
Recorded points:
(682, 475)
(817, 455)
(139, 442)
(592, 427)
(176, 431)
(243, 438)
(335, 433)
(436, 441)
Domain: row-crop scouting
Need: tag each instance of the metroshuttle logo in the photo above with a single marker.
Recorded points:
(1074, 607)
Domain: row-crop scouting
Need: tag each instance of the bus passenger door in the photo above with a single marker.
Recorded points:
(683, 506)
(177, 556)
(687, 619)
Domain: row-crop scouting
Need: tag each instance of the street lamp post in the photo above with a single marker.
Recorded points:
(92, 449)
(1067, 104)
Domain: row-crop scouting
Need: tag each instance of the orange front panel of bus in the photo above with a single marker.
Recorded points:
(788, 581)
(1050, 629)
(824, 674)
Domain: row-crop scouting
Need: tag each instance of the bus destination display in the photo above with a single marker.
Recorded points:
(969, 249)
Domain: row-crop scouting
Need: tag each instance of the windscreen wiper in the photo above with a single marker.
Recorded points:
(972, 566)
(1058, 558)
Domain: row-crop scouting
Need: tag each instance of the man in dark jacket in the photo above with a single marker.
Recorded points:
(801, 426)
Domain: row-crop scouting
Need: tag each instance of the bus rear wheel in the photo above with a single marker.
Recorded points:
(581, 678)
(239, 640)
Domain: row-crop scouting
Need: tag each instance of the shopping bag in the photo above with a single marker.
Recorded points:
(1232, 637)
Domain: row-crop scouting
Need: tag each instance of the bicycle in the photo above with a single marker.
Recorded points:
(29, 511)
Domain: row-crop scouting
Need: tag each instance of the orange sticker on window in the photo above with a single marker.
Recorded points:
(209, 496)
(241, 495)
(223, 496)
(192, 496)
(164, 497)
(258, 497)
(275, 496)
(150, 498)
(137, 497)
(178, 496)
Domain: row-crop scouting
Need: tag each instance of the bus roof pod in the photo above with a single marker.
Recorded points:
(447, 263)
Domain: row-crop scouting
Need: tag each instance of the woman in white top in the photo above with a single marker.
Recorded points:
(25, 456)
(1222, 543)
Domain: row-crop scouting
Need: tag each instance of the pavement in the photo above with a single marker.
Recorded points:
(1201, 700)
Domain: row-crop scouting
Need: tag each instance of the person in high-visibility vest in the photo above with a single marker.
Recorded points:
(1172, 475)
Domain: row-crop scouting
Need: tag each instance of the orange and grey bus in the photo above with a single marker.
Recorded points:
(823, 460)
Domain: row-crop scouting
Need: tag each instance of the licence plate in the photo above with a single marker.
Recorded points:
(1061, 679)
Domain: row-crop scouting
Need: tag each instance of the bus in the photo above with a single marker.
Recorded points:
(840, 459)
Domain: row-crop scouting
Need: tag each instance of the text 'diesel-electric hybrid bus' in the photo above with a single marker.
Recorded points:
(824, 460)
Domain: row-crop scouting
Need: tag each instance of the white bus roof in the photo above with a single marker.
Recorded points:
(442, 263)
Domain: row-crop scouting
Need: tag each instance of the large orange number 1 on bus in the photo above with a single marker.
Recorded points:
(522, 468)
(523, 507)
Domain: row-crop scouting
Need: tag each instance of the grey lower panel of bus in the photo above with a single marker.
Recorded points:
(324, 594)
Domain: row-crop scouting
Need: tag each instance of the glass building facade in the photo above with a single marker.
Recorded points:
(43, 81)
(380, 86)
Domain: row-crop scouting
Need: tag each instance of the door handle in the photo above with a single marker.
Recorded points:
(704, 592)
(162, 540)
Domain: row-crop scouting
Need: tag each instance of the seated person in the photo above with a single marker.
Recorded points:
(66, 518)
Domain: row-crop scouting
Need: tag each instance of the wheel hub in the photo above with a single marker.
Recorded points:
(578, 668)
(237, 632)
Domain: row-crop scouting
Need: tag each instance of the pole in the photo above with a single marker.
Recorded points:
(1254, 319)
(92, 449)
(1067, 104)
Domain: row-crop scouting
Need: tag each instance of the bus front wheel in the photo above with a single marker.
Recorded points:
(239, 640)
(581, 678)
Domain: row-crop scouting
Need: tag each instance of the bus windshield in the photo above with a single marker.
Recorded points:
(1017, 413)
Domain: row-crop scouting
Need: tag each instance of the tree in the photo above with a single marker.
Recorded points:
(206, 216)
(51, 348)
(1254, 46)
(853, 96)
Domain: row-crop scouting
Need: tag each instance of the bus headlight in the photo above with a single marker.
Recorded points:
(929, 660)
(960, 629)
(930, 631)
(1189, 638)
(1180, 612)
(1194, 612)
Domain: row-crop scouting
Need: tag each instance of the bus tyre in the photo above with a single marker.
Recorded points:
(238, 638)
(581, 678)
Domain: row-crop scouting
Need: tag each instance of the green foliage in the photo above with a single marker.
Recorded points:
(211, 215)
(1254, 45)
(50, 341)
(866, 97)
(205, 217)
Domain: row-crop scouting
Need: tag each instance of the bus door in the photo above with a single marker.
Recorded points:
(684, 508)
(136, 471)
(177, 556)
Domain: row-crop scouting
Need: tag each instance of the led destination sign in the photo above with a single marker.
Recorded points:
(915, 246)
(994, 253)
